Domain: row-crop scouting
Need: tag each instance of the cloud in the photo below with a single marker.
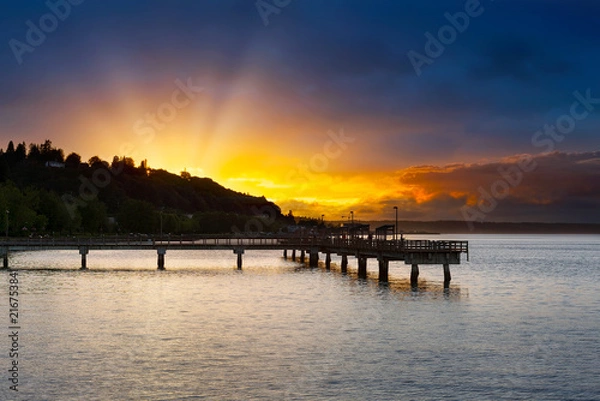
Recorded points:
(561, 187)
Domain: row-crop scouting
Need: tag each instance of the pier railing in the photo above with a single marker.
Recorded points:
(387, 245)
(280, 241)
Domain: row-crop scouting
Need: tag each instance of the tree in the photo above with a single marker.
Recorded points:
(93, 216)
(73, 160)
(185, 175)
(10, 154)
(143, 168)
(22, 216)
(3, 167)
(136, 216)
(50, 153)
(21, 152)
(34, 153)
(96, 162)
(59, 220)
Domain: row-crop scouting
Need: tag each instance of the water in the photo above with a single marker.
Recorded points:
(521, 321)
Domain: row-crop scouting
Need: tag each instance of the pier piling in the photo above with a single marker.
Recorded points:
(302, 256)
(362, 267)
(383, 269)
(313, 258)
(161, 258)
(83, 251)
(328, 261)
(4, 254)
(414, 275)
(344, 263)
(239, 252)
(447, 276)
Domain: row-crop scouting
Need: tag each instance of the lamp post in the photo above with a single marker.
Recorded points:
(396, 226)
(323, 219)
(352, 214)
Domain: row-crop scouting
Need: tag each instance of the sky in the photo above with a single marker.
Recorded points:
(461, 110)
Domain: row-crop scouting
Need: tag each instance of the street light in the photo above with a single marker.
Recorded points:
(396, 226)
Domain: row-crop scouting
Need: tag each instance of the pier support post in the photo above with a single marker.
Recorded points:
(302, 256)
(285, 253)
(344, 263)
(447, 276)
(294, 255)
(313, 258)
(4, 254)
(384, 265)
(83, 251)
(414, 275)
(239, 252)
(161, 258)
(328, 261)
(362, 267)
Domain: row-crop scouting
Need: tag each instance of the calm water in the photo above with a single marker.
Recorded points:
(521, 322)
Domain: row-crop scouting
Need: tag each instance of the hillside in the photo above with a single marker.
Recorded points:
(46, 192)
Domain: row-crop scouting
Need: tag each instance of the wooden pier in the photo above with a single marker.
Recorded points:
(412, 252)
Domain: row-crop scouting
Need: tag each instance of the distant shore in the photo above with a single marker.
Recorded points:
(460, 227)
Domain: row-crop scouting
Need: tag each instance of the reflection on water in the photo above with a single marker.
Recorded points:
(520, 321)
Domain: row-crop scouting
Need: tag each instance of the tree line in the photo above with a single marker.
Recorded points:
(36, 180)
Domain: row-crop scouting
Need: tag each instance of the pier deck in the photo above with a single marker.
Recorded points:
(412, 252)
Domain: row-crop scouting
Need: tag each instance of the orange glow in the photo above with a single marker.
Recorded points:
(236, 138)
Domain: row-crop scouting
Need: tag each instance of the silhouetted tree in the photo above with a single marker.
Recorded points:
(73, 160)
(20, 153)
(3, 166)
(136, 216)
(96, 162)
(51, 154)
(34, 153)
(93, 216)
(10, 154)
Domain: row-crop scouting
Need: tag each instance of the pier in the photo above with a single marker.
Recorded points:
(412, 252)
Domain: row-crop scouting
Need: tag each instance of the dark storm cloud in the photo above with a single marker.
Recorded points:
(558, 187)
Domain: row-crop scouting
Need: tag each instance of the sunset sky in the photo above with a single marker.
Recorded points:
(324, 106)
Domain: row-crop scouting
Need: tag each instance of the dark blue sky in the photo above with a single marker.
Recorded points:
(317, 65)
